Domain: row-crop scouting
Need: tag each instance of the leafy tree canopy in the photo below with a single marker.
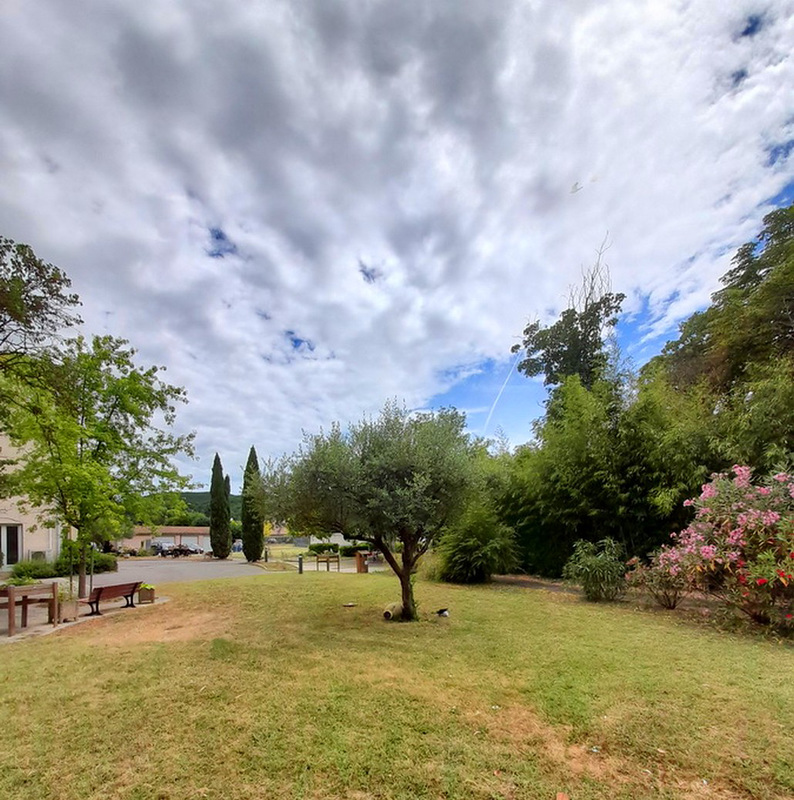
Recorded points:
(35, 302)
(397, 482)
(751, 319)
(96, 438)
(574, 344)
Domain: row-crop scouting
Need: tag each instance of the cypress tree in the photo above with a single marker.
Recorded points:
(220, 529)
(252, 520)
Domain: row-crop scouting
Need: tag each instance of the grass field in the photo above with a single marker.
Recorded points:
(269, 688)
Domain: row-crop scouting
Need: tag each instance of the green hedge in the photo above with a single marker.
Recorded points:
(323, 547)
(38, 570)
(349, 550)
(41, 570)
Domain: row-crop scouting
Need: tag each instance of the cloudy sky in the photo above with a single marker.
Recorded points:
(304, 208)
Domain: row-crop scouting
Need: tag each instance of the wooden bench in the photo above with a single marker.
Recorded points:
(13, 596)
(327, 558)
(125, 590)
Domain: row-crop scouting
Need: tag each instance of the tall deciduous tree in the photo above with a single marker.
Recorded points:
(35, 303)
(574, 344)
(90, 436)
(252, 519)
(220, 528)
(396, 482)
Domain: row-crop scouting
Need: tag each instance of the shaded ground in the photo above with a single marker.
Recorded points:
(529, 582)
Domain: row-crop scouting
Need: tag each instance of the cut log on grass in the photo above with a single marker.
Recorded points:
(393, 611)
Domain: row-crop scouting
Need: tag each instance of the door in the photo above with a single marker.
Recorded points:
(10, 543)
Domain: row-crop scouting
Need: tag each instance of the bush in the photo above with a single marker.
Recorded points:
(323, 547)
(598, 568)
(476, 548)
(36, 570)
(740, 547)
(349, 550)
(69, 560)
(18, 581)
(429, 567)
(657, 580)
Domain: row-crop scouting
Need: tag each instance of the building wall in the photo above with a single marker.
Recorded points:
(37, 529)
(37, 532)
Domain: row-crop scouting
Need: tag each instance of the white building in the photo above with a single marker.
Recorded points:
(25, 533)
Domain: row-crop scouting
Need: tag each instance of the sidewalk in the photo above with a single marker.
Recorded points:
(39, 626)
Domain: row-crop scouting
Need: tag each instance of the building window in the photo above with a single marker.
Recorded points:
(11, 542)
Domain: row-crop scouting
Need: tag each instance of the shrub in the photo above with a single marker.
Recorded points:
(23, 580)
(68, 561)
(657, 580)
(476, 548)
(598, 568)
(740, 547)
(36, 570)
(429, 567)
(349, 550)
(323, 547)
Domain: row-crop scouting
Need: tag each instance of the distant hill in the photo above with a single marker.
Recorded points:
(200, 501)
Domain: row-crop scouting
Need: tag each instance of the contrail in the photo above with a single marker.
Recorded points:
(499, 395)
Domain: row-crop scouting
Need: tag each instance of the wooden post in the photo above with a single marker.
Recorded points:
(56, 613)
(12, 610)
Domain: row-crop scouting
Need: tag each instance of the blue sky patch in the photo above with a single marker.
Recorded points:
(221, 246)
(753, 25)
(297, 342)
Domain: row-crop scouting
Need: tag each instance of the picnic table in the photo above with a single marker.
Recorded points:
(24, 596)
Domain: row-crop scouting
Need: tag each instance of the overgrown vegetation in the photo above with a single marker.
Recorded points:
(598, 568)
(617, 453)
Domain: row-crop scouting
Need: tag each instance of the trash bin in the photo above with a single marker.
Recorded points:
(361, 562)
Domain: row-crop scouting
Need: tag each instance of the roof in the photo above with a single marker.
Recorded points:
(168, 530)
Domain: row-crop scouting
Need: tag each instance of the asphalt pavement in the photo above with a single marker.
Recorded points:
(175, 570)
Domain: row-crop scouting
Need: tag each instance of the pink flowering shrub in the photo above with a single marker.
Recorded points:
(740, 546)
(665, 585)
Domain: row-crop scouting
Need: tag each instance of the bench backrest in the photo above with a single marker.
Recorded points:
(117, 590)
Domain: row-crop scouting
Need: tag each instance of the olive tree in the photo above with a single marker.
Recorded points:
(396, 482)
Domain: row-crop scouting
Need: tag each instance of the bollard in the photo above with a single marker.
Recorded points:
(300, 565)
(266, 555)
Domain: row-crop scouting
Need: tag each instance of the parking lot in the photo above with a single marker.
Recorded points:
(171, 570)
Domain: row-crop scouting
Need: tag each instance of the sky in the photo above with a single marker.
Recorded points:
(305, 209)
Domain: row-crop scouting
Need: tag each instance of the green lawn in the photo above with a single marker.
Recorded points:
(267, 687)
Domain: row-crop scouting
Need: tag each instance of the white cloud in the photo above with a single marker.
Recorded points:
(471, 156)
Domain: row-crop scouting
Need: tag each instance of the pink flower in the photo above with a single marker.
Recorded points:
(764, 491)
(781, 477)
(708, 551)
(742, 474)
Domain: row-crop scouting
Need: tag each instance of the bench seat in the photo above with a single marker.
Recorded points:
(125, 590)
